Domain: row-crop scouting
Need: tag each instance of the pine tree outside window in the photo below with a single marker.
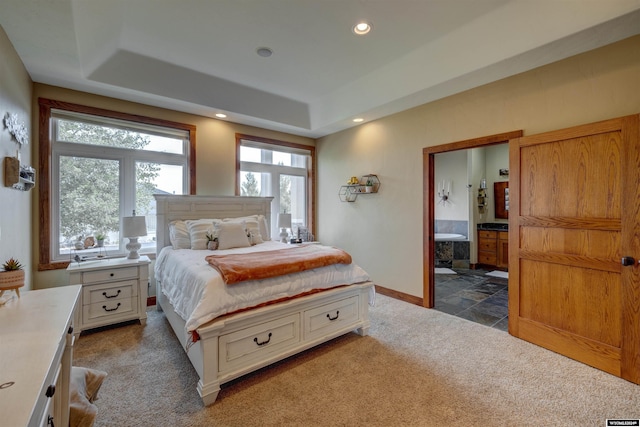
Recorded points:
(279, 169)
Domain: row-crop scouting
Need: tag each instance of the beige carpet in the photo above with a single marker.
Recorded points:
(418, 367)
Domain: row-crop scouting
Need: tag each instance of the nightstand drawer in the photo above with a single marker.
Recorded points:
(109, 292)
(109, 308)
(111, 275)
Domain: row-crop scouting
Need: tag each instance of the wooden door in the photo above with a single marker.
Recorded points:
(575, 216)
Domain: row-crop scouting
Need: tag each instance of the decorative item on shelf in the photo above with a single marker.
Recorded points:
(100, 238)
(79, 244)
(353, 181)
(482, 200)
(132, 228)
(444, 192)
(212, 241)
(368, 187)
(89, 242)
(12, 277)
(284, 222)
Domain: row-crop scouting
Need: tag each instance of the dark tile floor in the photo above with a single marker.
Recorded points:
(473, 296)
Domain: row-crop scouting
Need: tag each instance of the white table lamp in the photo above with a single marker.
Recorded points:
(284, 222)
(132, 228)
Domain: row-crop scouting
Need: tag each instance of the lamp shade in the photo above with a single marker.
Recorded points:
(284, 220)
(134, 226)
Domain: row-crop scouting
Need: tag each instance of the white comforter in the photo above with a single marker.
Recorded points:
(198, 294)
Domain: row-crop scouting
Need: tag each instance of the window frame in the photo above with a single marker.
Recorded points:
(45, 159)
(279, 145)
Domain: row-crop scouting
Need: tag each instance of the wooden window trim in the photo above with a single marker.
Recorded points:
(44, 164)
(311, 175)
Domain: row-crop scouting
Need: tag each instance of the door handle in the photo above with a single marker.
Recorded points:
(628, 261)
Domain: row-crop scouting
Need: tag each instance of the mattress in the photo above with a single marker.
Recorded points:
(198, 294)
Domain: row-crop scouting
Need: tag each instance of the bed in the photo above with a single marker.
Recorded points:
(258, 332)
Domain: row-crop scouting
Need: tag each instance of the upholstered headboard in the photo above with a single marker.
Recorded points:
(172, 207)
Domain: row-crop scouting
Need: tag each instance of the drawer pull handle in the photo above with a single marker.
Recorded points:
(111, 296)
(51, 390)
(333, 318)
(111, 274)
(110, 309)
(255, 340)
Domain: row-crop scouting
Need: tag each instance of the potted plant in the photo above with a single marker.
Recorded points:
(212, 242)
(100, 238)
(12, 276)
(368, 187)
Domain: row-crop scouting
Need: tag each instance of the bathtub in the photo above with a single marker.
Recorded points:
(448, 236)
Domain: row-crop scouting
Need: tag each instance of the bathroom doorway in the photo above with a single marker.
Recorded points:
(436, 192)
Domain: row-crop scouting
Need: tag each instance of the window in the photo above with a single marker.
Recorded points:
(280, 169)
(105, 165)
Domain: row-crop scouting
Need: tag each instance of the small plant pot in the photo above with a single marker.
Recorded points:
(368, 189)
(11, 280)
(212, 245)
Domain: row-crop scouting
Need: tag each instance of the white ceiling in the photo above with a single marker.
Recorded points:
(199, 56)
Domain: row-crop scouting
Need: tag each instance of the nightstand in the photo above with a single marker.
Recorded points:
(113, 290)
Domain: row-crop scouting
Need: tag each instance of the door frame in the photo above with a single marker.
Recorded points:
(428, 202)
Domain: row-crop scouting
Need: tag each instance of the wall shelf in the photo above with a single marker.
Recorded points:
(18, 176)
(368, 184)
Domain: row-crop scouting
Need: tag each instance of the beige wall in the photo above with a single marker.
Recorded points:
(215, 151)
(15, 205)
(383, 232)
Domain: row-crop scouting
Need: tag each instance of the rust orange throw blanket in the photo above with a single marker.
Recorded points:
(261, 265)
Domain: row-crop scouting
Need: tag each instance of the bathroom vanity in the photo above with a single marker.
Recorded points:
(493, 245)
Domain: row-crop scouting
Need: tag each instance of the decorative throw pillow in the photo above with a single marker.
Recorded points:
(83, 391)
(255, 237)
(264, 227)
(198, 229)
(231, 235)
(179, 235)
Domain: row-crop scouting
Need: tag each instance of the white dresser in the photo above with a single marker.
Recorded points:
(36, 351)
(113, 290)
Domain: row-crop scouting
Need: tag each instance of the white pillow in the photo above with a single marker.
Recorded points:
(179, 235)
(198, 229)
(264, 227)
(250, 220)
(255, 237)
(232, 235)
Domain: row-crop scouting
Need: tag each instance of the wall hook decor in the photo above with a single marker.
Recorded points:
(16, 128)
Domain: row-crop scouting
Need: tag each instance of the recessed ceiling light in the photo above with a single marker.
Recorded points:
(358, 120)
(362, 28)
(265, 52)
(221, 115)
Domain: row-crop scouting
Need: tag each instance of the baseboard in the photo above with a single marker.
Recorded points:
(151, 301)
(400, 295)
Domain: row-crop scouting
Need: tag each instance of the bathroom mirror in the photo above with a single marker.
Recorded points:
(501, 199)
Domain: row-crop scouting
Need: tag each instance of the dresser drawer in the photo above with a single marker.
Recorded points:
(484, 258)
(483, 234)
(257, 343)
(332, 317)
(107, 292)
(106, 309)
(110, 275)
(487, 245)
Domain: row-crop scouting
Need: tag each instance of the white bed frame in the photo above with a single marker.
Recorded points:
(235, 345)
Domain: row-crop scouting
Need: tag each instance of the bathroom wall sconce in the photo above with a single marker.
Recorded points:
(444, 192)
